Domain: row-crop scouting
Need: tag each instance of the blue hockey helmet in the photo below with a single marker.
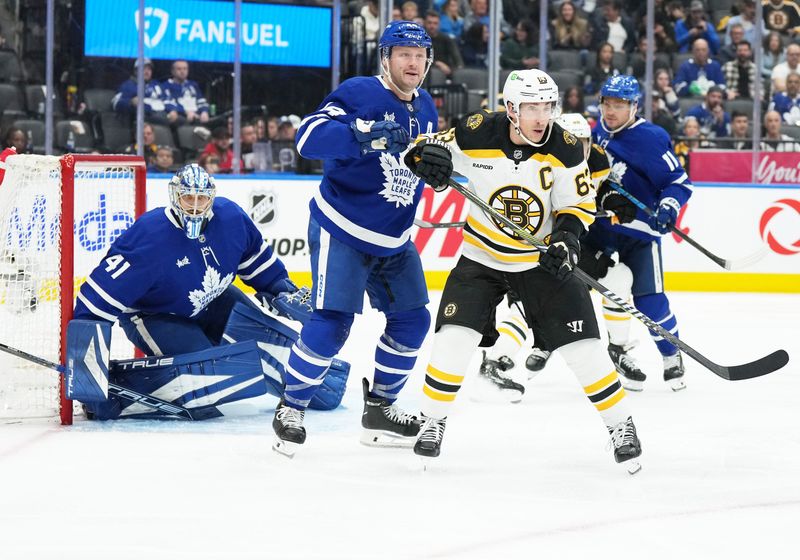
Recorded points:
(621, 86)
(191, 197)
(404, 34)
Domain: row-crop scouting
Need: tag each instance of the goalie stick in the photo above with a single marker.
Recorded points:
(122, 392)
(727, 264)
(757, 368)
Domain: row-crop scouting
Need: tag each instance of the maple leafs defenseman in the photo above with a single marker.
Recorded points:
(359, 235)
(168, 281)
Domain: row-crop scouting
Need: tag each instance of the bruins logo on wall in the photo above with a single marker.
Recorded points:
(474, 121)
(519, 205)
(570, 139)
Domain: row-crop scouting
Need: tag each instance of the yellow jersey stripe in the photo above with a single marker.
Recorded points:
(601, 173)
(442, 376)
(485, 153)
(608, 403)
(602, 384)
(494, 235)
(580, 214)
(437, 396)
(509, 333)
(608, 317)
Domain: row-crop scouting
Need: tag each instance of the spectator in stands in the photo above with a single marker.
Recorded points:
(787, 103)
(773, 53)
(209, 162)
(638, 62)
(694, 27)
(452, 22)
(149, 143)
(747, 19)
(573, 101)
(522, 50)
(515, 11)
(676, 12)
(163, 161)
(372, 24)
(698, 73)
(728, 52)
(287, 129)
(443, 122)
(409, 10)
(273, 124)
(692, 140)
(397, 15)
(448, 57)
(570, 31)
(782, 16)
(740, 122)
(773, 140)
(615, 28)
(18, 139)
(782, 70)
(260, 123)
(248, 137)
(714, 121)
(476, 46)
(661, 116)
(663, 28)
(663, 85)
(220, 146)
(191, 105)
(603, 68)
(159, 107)
(479, 13)
(741, 74)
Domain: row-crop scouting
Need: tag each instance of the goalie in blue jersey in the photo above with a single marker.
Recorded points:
(360, 237)
(167, 280)
(644, 164)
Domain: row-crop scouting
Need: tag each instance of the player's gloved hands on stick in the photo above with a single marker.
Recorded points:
(611, 200)
(387, 136)
(284, 298)
(432, 162)
(665, 215)
(562, 255)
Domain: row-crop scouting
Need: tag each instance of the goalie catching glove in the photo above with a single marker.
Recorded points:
(431, 161)
(284, 298)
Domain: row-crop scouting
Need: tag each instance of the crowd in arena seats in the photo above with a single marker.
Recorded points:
(703, 87)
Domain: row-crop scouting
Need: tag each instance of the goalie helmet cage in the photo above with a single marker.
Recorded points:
(94, 198)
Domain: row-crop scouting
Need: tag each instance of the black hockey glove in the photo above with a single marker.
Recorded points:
(611, 200)
(431, 161)
(562, 255)
(595, 264)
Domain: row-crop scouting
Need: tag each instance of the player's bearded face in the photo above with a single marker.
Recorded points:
(534, 118)
(194, 204)
(407, 66)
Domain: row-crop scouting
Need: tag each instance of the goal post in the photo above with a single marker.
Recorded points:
(58, 217)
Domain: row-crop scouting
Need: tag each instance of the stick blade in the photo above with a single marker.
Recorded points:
(748, 261)
(762, 366)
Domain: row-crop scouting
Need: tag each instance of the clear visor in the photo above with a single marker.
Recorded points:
(547, 110)
(193, 203)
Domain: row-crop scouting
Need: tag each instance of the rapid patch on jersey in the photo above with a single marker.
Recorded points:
(399, 183)
(213, 285)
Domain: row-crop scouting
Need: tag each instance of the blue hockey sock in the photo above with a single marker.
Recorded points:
(304, 374)
(656, 306)
(397, 351)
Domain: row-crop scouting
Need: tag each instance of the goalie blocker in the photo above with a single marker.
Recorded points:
(198, 381)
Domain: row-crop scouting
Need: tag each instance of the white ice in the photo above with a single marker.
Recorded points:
(720, 478)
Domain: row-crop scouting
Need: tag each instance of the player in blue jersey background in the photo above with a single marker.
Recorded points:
(360, 236)
(644, 164)
(168, 278)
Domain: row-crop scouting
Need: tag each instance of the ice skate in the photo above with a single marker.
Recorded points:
(429, 443)
(498, 382)
(626, 445)
(386, 425)
(536, 361)
(632, 377)
(289, 431)
(673, 372)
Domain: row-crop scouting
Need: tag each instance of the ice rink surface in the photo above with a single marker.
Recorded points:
(720, 477)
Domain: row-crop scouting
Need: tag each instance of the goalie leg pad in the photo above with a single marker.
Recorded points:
(198, 380)
(88, 344)
(330, 393)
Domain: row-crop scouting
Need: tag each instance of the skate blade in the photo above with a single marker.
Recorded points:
(379, 438)
(630, 385)
(632, 466)
(676, 384)
(427, 463)
(486, 391)
(285, 448)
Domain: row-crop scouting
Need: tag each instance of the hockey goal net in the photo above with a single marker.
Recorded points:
(58, 217)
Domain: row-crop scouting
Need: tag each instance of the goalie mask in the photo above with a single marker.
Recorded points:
(404, 34)
(531, 86)
(191, 197)
(575, 124)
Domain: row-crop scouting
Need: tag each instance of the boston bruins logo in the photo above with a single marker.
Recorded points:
(519, 205)
(474, 121)
(450, 309)
(570, 139)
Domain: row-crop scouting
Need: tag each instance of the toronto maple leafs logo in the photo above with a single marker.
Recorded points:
(213, 285)
(618, 169)
(387, 116)
(399, 183)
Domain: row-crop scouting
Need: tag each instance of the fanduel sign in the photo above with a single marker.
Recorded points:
(282, 35)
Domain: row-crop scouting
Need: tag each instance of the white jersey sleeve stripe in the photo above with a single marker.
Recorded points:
(309, 129)
(102, 293)
(358, 231)
(260, 269)
(252, 259)
(99, 312)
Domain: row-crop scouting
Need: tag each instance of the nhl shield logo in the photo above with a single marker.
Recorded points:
(262, 207)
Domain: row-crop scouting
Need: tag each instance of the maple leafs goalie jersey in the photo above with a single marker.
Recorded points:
(366, 201)
(643, 162)
(153, 267)
(532, 186)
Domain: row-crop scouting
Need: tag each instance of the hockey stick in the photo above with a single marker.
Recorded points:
(446, 225)
(727, 264)
(757, 368)
(119, 391)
